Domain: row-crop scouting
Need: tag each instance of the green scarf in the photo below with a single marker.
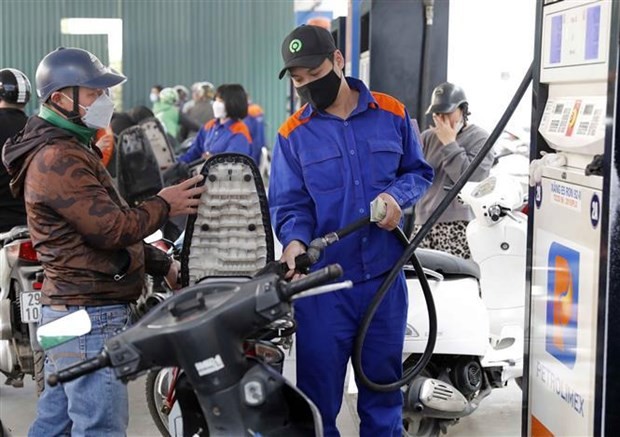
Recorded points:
(83, 133)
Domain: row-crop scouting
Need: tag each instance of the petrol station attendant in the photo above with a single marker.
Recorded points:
(341, 150)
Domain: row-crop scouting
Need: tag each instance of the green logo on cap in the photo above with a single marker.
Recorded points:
(295, 46)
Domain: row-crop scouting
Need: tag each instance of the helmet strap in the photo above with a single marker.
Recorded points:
(74, 114)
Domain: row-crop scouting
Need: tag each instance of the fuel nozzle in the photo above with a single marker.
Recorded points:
(318, 245)
(378, 210)
(312, 255)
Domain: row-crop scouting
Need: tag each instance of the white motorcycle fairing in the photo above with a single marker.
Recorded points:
(462, 320)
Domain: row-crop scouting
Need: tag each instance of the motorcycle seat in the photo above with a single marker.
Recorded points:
(446, 264)
(231, 234)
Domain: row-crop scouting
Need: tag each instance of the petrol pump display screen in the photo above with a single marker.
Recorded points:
(586, 44)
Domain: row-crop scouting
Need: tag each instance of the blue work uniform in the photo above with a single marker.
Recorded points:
(215, 137)
(256, 124)
(325, 172)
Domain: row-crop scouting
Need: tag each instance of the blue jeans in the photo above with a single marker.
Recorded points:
(95, 404)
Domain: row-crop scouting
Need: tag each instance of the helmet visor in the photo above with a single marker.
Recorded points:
(106, 80)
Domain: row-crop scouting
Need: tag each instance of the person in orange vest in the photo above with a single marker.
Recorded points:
(226, 132)
(256, 124)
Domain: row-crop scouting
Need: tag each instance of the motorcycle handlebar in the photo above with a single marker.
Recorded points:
(79, 369)
(326, 274)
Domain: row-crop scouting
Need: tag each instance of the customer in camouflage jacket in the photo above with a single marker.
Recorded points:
(87, 238)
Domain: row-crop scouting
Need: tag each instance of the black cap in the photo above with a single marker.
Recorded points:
(306, 46)
(446, 98)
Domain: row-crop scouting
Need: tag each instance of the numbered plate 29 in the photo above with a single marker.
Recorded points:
(30, 304)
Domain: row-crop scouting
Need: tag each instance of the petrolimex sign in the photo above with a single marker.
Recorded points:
(562, 323)
(562, 304)
(562, 367)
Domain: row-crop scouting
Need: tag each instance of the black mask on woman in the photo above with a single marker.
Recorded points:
(322, 92)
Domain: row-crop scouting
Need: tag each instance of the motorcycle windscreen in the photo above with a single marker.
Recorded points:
(156, 136)
(231, 234)
(137, 169)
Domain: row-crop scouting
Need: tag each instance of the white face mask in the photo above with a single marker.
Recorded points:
(459, 125)
(153, 97)
(99, 113)
(219, 109)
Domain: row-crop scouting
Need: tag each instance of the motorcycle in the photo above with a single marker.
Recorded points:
(480, 312)
(217, 243)
(170, 397)
(237, 394)
(21, 278)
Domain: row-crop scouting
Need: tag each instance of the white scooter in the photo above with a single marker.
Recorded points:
(480, 312)
(21, 277)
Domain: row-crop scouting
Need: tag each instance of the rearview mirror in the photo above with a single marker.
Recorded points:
(64, 329)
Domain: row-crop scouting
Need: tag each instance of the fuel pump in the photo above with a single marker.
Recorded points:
(407, 64)
(569, 337)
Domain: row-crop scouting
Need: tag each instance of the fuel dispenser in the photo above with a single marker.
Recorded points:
(571, 332)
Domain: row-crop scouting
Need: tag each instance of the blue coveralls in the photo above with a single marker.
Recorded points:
(215, 137)
(325, 172)
(256, 124)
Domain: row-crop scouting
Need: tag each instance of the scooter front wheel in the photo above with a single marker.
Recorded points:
(157, 383)
(423, 427)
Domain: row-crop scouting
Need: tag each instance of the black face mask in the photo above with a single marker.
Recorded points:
(322, 92)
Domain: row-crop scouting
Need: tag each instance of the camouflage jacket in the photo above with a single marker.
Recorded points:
(87, 238)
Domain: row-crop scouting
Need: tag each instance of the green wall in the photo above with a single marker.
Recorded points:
(168, 42)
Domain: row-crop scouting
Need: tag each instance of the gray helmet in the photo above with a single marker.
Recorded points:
(446, 98)
(204, 89)
(14, 86)
(73, 67)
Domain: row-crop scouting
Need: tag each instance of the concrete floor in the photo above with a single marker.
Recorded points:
(498, 415)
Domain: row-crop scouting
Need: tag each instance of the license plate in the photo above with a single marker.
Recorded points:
(31, 306)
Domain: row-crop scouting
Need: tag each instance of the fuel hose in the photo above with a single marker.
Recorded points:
(409, 255)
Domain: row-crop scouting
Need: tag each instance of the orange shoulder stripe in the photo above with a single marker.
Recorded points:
(254, 110)
(390, 104)
(239, 127)
(293, 122)
(209, 124)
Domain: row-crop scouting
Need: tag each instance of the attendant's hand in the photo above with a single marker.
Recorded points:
(393, 213)
(292, 250)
